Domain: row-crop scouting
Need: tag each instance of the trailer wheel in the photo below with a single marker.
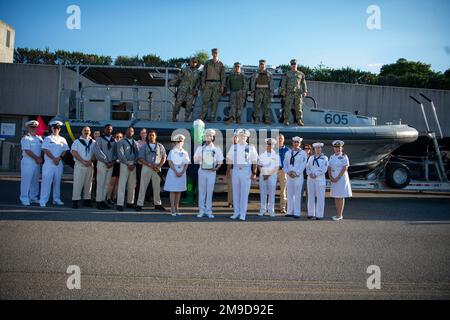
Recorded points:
(398, 175)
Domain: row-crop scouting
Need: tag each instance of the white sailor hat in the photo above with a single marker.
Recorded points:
(210, 133)
(244, 132)
(298, 139)
(56, 123)
(32, 123)
(338, 143)
(271, 141)
(178, 138)
(318, 145)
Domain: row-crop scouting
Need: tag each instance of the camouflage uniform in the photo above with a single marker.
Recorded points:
(237, 83)
(213, 78)
(262, 86)
(293, 85)
(187, 82)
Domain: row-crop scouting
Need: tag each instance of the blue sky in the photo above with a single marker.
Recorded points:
(330, 32)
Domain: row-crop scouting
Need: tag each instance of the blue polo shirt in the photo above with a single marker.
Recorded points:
(282, 153)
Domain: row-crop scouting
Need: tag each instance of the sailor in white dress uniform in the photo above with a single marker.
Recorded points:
(179, 160)
(54, 147)
(340, 180)
(30, 164)
(210, 159)
(244, 159)
(269, 164)
(294, 166)
(316, 168)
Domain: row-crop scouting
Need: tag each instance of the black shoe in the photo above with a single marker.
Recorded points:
(100, 206)
(75, 205)
(130, 206)
(296, 217)
(119, 208)
(160, 208)
(310, 218)
(87, 203)
(138, 209)
(107, 205)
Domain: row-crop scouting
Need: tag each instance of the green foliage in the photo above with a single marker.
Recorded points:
(129, 61)
(406, 73)
(402, 73)
(152, 60)
(202, 56)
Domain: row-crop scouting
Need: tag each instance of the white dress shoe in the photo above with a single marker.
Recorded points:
(210, 216)
(337, 218)
(26, 204)
(58, 202)
(233, 217)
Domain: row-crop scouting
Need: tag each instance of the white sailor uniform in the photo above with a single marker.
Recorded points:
(206, 178)
(242, 156)
(29, 179)
(295, 160)
(316, 186)
(269, 165)
(82, 175)
(342, 188)
(51, 173)
(180, 158)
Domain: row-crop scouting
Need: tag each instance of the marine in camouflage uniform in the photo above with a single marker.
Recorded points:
(187, 82)
(293, 88)
(213, 85)
(262, 86)
(237, 84)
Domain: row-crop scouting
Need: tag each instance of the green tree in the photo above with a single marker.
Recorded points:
(129, 61)
(152, 60)
(202, 56)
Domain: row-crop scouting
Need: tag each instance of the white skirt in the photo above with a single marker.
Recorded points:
(173, 183)
(342, 188)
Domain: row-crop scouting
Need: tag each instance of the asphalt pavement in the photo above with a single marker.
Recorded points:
(151, 255)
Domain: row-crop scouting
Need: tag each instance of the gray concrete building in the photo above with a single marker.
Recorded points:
(7, 37)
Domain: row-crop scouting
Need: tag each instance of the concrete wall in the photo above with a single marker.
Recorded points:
(33, 90)
(386, 103)
(6, 53)
(28, 89)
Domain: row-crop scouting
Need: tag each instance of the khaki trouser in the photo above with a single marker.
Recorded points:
(82, 181)
(282, 180)
(147, 175)
(127, 180)
(103, 179)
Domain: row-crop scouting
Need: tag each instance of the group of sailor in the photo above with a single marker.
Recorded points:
(213, 83)
(242, 160)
